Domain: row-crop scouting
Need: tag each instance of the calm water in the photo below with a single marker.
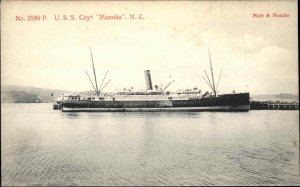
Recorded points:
(45, 147)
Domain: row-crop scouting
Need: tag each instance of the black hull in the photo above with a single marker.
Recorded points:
(227, 102)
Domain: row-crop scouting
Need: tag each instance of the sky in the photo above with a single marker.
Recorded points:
(256, 55)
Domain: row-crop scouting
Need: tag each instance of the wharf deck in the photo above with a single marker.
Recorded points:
(260, 105)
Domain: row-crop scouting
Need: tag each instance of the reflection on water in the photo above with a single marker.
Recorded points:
(45, 147)
(71, 115)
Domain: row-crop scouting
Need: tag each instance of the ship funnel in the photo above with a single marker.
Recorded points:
(148, 79)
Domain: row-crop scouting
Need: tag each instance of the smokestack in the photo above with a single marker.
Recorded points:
(148, 79)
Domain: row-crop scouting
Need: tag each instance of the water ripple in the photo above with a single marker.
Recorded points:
(41, 147)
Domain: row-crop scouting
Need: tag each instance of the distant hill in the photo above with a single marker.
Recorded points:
(19, 97)
(29, 94)
(280, 97)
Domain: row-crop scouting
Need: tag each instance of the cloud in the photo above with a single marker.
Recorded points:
(252, 60)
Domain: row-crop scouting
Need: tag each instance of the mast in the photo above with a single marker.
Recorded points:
(168, 85)
(219, 79)
(212, 74)
(207, 82)
(97, 91)
(102, 81)
(104, 86)
(210, 85)
(91, 81)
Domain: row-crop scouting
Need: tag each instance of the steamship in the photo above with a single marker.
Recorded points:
(153, 99)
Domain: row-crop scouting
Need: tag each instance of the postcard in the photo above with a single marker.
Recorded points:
(149, 93)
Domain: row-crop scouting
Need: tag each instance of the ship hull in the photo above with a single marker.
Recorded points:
(239, 108)
(227, 102)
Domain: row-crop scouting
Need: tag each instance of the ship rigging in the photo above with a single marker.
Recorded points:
(211, 83)
(97, 90)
